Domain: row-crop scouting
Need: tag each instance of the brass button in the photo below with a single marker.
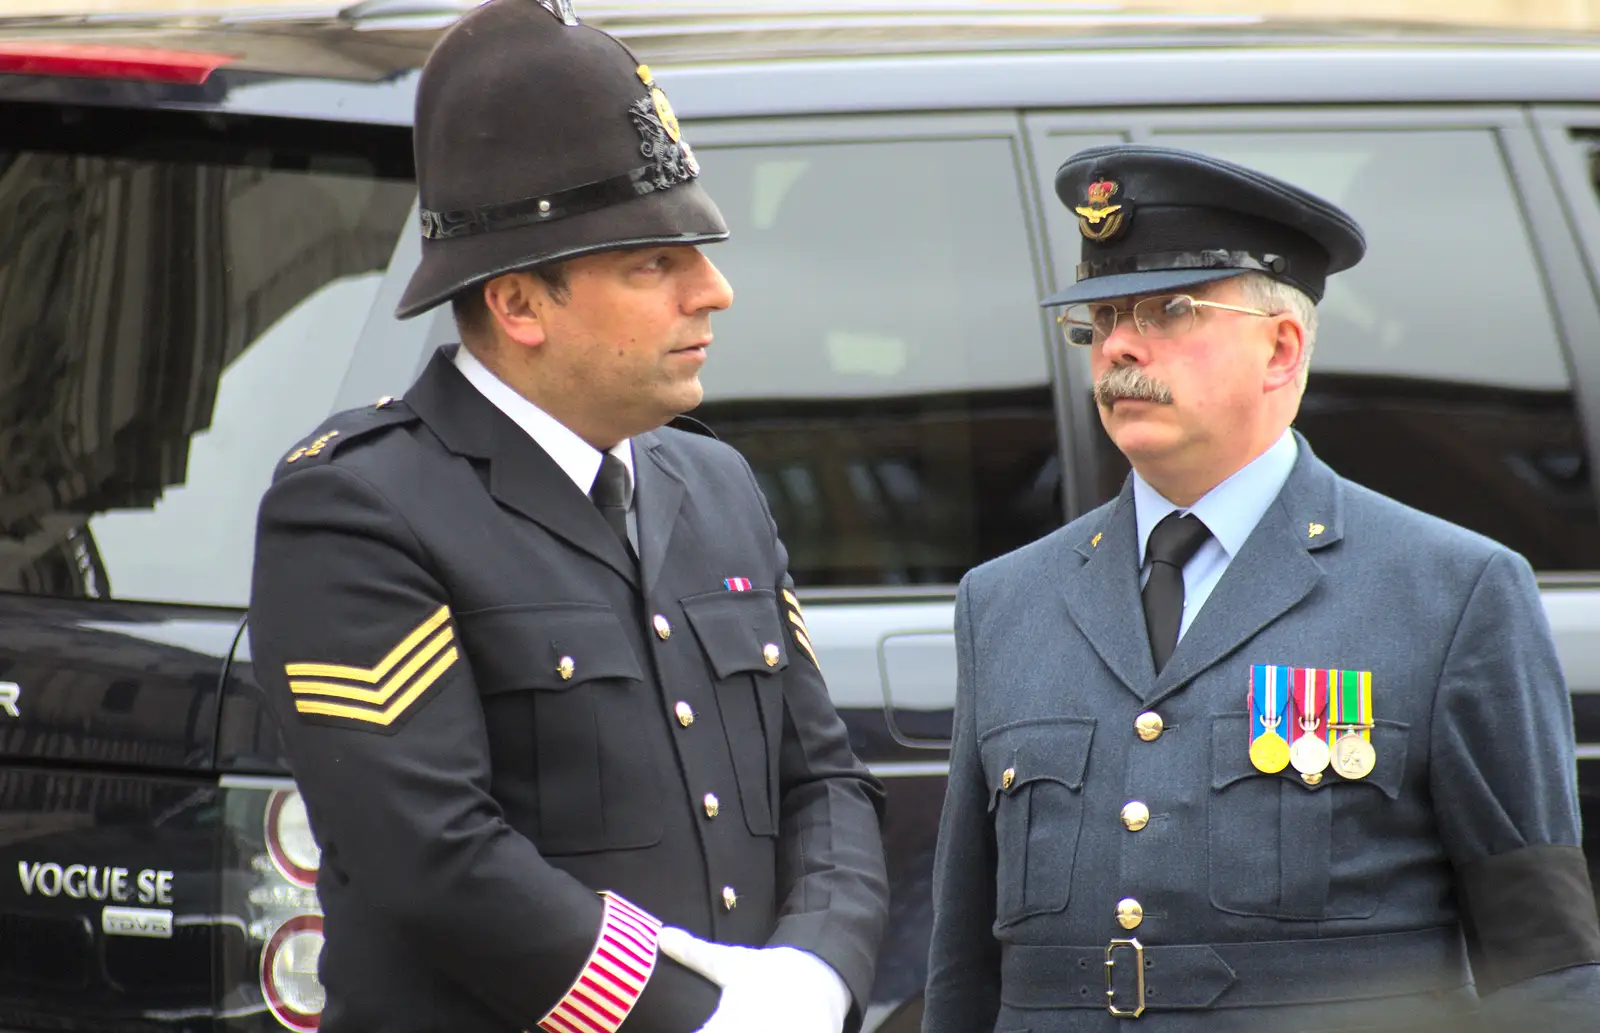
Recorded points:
(1129, 913)
(1149, 726)
(770, 654)
(384, 402)
(712, 805)
(685, 713)
(730, 899)
(565, 668)
(663, 627)
(1136, 816)
(1312, 778)
(1008, 778)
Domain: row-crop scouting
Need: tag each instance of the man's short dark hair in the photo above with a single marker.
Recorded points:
(472, 312)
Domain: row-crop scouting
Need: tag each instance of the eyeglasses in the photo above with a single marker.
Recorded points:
(1165, 315)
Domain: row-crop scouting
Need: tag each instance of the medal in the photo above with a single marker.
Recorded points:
(1353, 756)
(1309, 754)
(1269, 751)
(1350, 723)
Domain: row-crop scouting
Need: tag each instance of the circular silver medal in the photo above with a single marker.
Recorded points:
(1309, 755)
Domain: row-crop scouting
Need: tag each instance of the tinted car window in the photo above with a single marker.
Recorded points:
(883, 366)
(1438, 377)
(178, 301)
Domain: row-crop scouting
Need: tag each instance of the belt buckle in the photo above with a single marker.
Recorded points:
(1111, 990)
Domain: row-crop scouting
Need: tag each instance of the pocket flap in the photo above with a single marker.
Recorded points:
(546, 646)
(739, 631)
(1052, 750)
(1230, 757)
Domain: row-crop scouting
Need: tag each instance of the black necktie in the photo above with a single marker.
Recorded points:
(1172, 543)
(611, 493)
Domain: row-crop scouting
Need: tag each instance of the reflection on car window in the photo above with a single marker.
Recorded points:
(1438, 377)
(175, 317)
(883, 366)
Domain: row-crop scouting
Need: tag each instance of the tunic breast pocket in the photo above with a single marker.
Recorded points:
(1279, 848)
(567, 723)
(1035, 775)
(747, 652)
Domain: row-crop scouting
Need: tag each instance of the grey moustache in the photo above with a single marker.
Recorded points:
(1130, 382)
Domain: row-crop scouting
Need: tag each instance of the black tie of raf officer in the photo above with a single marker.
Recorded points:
(1173, 543)
(610, 493)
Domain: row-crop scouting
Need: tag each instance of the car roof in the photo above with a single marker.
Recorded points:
(741, 58)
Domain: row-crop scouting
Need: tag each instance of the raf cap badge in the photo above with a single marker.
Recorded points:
(561, 9)
(1100, 220)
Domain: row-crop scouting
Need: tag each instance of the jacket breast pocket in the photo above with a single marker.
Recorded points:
(566, 715)
(1035, 775)
(747, 651)
(1281, 848)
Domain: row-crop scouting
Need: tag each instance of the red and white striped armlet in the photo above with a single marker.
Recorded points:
(611, 981)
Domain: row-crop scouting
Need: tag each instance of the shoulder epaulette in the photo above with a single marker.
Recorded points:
(693, 426)
(342, 428)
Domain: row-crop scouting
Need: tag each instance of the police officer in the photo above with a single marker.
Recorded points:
(544, 683)
(1249, 747)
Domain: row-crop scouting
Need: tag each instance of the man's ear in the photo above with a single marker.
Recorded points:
(1288, 352)
(517, 302)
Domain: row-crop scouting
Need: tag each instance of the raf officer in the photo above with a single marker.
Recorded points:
(543, 680)
(1249, 747)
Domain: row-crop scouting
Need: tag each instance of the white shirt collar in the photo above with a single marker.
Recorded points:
(1233, 508)
(577, 457)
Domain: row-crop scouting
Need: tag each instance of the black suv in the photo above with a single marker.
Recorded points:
(206, 222)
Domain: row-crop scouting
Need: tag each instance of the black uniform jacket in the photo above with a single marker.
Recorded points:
(493, 715)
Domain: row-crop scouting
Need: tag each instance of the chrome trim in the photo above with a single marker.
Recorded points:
(266, 782)
(914, 768)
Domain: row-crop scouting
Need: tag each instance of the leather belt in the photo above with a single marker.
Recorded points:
(1130, 978)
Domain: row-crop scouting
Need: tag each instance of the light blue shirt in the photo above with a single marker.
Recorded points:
(1231, 510)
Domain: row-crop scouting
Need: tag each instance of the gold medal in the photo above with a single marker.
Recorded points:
(1309, 755)
(1269, 753)
(1353, 756)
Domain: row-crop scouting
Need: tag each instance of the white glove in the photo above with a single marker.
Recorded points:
(765, 989)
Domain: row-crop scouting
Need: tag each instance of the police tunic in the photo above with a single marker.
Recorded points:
(494, 714)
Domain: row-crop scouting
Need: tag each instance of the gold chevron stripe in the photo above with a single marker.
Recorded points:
(387, 715)
(372, 675)
(798, 621)
(805, 643)
(789, 597)
(383, 693)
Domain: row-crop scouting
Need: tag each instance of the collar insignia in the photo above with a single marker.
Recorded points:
(1100, 220)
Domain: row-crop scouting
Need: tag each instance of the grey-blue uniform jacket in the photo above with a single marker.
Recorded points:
(493, 715)
(1259, 901)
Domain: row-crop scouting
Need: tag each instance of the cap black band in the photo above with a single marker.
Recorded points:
(506, 215)
(1274, 265)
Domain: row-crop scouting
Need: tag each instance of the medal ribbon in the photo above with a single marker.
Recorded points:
(1350, 703)
(1310, 702)
(1268, 700)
